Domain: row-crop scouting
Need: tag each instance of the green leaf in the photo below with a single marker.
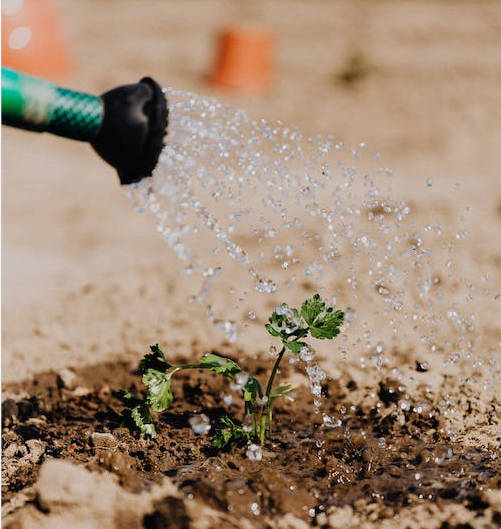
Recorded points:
(286, 324)
(160, 395)
(312, 308)
(219, 364)
(143, 420)
(283, 390)
(222, 437)
(252, 390)
(294, 346)
(272, 330)
(323, 320)
(154, 360)
(233, 432)
(327, 326)
(128, 398)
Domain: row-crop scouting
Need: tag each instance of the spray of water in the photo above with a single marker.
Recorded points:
(258, 209)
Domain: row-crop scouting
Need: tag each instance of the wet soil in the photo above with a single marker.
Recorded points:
(377, 463)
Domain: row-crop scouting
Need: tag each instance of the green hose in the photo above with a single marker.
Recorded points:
(37, 104)
(126, 126)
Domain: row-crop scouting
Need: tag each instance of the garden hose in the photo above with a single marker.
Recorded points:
(126, 126)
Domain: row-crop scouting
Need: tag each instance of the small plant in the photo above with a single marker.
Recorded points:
(291, 326)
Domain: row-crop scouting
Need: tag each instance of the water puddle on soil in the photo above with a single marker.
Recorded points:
(259, 210)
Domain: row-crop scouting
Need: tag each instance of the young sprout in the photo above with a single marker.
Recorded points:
(290, 325)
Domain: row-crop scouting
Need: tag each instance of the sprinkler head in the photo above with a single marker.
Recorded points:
(133, 128)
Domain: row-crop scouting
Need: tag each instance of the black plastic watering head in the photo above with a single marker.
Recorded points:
(126, 126)
(132, 130)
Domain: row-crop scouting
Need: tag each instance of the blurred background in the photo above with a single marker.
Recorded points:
(419, 81)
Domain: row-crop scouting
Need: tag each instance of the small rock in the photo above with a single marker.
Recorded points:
(422, 367)
(289, 521)
(104, 391)
(37, 421)
(321, 519)
(105, 441)
(37, 450)
(341, 518)
(81, 391)
(62, 484)
(14, 451)
(68, 378)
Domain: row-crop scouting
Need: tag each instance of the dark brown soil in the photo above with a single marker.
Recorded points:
(387, 457)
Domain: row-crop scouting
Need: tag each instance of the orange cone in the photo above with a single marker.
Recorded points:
(33, 40)
(244, 60)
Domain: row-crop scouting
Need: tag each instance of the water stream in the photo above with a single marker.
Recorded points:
(260, 210)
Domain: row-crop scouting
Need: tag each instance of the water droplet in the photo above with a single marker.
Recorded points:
(306, 354)
(258, 205)
(254, 452)
(266, 285)
(331, 422)
(239, 381)
(261, 401)
(241, 378)
(200, 424)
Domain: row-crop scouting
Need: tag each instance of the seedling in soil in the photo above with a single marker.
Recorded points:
(292, 326)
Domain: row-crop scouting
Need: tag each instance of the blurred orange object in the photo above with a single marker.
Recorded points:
(33, 39)
(244, 60)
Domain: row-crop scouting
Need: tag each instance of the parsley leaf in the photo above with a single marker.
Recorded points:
(252, 390)
(286, 323)
(323, 321)
(128, 398)
(159, 385)
(283, 390)
(155, 360)
(143, 420)
(294, 346)
(233, 432)
(219, 364)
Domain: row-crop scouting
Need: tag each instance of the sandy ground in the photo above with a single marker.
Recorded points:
(85, 279)
(431, 106)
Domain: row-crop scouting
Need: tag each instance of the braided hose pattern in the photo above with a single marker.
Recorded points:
(75, 115)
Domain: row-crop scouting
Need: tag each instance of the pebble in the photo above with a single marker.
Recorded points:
(14, 450)
(36, 450)
(289, 521)
(340, 518)
(37, 421)
(81, 391)
(68, 378)
(104, 441)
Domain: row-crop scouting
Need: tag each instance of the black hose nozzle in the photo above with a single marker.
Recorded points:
(126, 126)
(132, 130)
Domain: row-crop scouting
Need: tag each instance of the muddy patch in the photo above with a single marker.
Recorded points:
(375, 464)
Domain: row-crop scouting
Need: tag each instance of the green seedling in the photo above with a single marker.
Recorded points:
(292, 326)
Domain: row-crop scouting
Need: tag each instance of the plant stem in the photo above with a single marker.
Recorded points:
(267, 407)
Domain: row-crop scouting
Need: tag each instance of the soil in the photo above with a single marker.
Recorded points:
(87, 285)
(378, 464)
